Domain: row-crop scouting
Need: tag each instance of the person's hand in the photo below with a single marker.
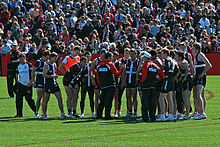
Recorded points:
(29, 84)
(201, 75)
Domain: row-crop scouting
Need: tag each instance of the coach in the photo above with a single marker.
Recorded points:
(106, 72)
(150, 74)
(12, 63)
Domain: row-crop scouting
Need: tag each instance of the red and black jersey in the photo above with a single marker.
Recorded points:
(149, 74)
(131, 70)
(106, 72)
(11, 56)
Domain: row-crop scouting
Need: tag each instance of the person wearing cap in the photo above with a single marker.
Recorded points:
(12, 63)
(151, 73)
(24, 85)
(88, 28)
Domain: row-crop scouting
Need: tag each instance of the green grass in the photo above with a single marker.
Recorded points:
(89, 132)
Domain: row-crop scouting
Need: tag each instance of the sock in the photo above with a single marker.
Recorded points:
(74, 111)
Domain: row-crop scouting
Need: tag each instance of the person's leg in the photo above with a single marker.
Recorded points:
(162, 102)
(10, 82)
(108, 102)
(60, 102)
(135, 102)
(152, 104)
(29, 99)
(75, 98)
(120, 93)
(170, 102)
(186, 99)
(101, 104)
(203, 98)
(199, 90)
(19, 99)
(97, 93)
(46, 100)
(69, 102)
(40, 94)
(157, 102)
(174, 103)
(91, 98)
(116, 101)
(179, 98)
(129, 101)
(84, 89)
(145, 105)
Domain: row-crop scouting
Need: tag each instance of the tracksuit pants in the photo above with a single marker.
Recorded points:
(10, 82)
(24, 91)
(84, 89)
(106, 98)
(148, 103)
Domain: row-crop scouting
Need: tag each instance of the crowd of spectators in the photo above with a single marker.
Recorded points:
(59, 25)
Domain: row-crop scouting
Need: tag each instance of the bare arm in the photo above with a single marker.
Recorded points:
(191, 65)
(92, 68)
(186, 71)
(33, 73)
(45, 70)
(208, 64)
(138, 72)
(61, 68)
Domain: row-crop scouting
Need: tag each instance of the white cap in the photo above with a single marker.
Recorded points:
(89, 19)
(15, 43)
(146, 54)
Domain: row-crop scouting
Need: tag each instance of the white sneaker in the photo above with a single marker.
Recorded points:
(200, 116)
(36, 116)
(82, 115)
(64, 116)
(115, 115)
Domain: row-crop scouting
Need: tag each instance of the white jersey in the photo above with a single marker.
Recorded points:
(24, 71)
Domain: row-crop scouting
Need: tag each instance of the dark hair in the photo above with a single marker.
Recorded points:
(87, 53)
(83, 58)
(181, 54)
(197, 46)
(116, 53)
(166, 51)
(153, 53)
(22, 55)
(77, 47)
(133, 51)
(108, 54)
(103, 51)
(53, 54)
(46, 53)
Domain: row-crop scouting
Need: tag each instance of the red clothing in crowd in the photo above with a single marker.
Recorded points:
(5, 16)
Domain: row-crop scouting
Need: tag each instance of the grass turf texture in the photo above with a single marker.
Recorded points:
(27, 131)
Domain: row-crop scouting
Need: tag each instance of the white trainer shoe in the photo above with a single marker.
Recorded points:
(82, 115)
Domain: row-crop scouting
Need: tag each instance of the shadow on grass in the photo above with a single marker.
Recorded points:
(4, 98)
(13, 119)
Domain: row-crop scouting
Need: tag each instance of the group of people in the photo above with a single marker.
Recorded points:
(164, 79)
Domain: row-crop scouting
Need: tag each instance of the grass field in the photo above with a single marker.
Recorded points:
(27, 131)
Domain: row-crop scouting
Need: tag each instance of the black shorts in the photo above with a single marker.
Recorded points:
(201, 81)
(167, 85)
(39, 81)
(51, 88)
(158, 86)
(188, 84)
(131, 85)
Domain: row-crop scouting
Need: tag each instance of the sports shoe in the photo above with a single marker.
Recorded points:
(194, 115)
(134, 115)
(82, 115)
(200, 116)
(76, 115)
(115, 115)
(170, 117)
(139, 119)
(64, 116)
(18, 115)
(185, 117)
(72, 116)
(157, 116)
(162, 118)
(36, 115)
(127, 116)
(179, 115)
(45, 116)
